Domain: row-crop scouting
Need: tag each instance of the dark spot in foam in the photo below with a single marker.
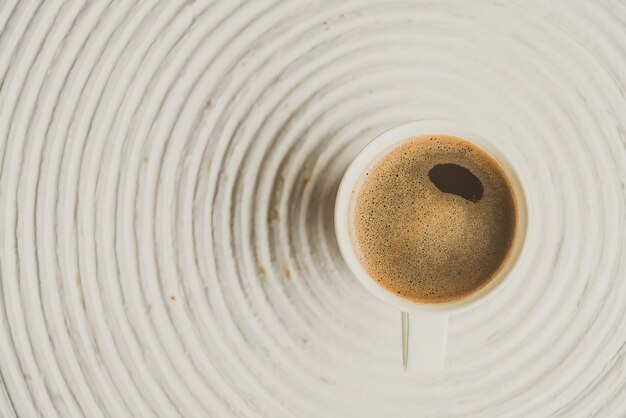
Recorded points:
(454, 179)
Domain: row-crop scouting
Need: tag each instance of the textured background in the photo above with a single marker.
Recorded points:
(167, 182)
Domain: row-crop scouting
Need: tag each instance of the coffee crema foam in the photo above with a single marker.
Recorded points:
(434, 219)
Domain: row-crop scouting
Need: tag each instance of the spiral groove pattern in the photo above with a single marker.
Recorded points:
(167, 184)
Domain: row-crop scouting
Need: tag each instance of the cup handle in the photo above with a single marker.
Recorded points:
(424, 340)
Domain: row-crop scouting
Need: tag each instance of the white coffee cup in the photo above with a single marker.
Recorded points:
(425, 326)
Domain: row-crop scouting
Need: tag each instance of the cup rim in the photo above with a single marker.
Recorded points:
(381, 145)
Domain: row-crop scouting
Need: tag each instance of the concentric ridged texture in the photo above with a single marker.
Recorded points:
(167, 183)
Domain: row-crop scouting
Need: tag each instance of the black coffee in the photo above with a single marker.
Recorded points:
(435, 219)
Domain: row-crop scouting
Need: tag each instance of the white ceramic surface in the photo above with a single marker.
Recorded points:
(167, 182)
